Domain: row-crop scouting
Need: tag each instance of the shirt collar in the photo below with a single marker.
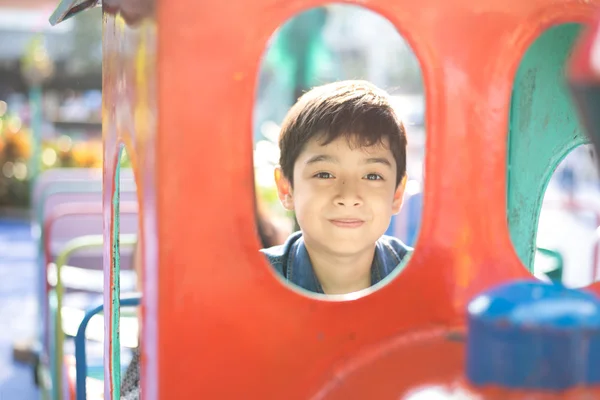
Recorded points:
(300, 272)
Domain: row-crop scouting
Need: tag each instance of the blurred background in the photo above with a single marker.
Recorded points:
(50, 117)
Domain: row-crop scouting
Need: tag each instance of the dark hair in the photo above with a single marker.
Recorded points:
(357, 110)
(267, 232)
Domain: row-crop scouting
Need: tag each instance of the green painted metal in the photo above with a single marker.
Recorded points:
(555, 275)
(95, 372)
(69, 8)
(115, 343)
(543, 129)
(72, 246)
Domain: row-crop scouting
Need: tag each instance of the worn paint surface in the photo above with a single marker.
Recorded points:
(128, 125)
(544, 128)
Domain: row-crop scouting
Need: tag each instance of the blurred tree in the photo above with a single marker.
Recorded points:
(87, 43)
(299, 51)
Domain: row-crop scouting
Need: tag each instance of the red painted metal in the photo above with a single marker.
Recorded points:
(217, 322)
(129, 120)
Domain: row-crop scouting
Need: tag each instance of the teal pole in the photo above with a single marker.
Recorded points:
(35, 105)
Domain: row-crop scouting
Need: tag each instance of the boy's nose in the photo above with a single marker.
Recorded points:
(349, 202)
(348, 196)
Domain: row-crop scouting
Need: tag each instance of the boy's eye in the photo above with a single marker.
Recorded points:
(373, 177)
(323, 175)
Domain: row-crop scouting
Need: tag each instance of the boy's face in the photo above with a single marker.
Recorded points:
(343, 197)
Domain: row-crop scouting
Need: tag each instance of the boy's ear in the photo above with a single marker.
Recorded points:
(399, 195)
(284, 190)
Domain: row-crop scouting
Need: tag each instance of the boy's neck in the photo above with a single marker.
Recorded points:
(341, 274)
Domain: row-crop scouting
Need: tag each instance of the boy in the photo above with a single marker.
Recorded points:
(343, 172)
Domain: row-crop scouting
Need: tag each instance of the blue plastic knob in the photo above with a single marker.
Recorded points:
(534, 335)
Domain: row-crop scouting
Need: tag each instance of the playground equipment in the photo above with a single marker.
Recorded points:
(218, 323)
(68, 209)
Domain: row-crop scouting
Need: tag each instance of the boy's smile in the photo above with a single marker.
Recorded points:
(347, 222)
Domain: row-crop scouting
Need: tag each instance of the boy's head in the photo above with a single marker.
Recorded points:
(342, 165)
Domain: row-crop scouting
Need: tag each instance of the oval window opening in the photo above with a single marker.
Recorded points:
(544, 128)
(568, 234)
(333, 192)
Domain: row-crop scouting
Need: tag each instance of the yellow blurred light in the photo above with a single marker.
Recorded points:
(20, 171)
(49, 157)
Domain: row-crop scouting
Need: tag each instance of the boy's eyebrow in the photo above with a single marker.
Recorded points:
(320, 158)
(378, 160)
(328, 158)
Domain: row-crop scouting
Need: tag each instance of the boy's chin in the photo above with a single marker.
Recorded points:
(348, 247)
(342, 243)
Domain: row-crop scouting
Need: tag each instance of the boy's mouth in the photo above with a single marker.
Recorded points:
(347, 222)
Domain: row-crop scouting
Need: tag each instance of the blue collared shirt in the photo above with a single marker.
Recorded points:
(291, 260)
